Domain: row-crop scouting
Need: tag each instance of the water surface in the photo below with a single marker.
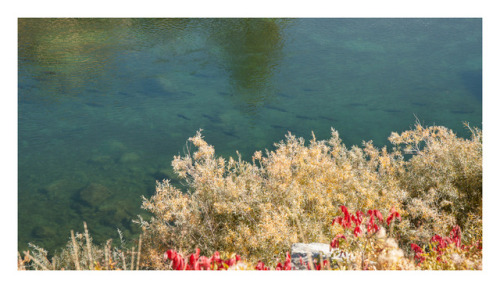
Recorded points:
(105, 104)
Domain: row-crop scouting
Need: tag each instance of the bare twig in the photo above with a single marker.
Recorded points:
(106, 255)
(89, 248)
(75, 251)
(20, 262)
(139, 252)
(132, 261)
(364, 250)
(34, 260)
(124, 263)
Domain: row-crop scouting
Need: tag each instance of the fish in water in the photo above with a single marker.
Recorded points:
(419, 104)
(309, 90)
(275, 108)
(328, 118)
(183, 117)
(212, 118)
(391, 110)
(285, 95)
(123, 93)
(304, 117)
(232, 134)
(277, 126)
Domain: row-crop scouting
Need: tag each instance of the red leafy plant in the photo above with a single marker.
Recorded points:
(215, 262)
(287, 265)
(370, 248)
(359, 228)
(197, 262)
(449, 252)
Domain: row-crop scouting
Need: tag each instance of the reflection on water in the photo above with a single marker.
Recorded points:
(104, 104)
(66, 55)
(250, 58)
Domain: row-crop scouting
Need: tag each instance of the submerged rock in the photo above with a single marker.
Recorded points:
(94, 193)
(63, 188)
(129, 157)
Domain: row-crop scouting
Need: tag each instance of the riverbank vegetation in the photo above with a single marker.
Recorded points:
(248, 214)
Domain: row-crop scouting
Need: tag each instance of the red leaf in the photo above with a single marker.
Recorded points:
(288, 262)
(205, 262)
(379, 216)
(393, 214)
(326, 264)
(344, 210)
(357, 231)
(416, 248)
(230, 262)
(171, 254)
(389, 220)
(456, 235)
(335, 241)
(346, 222)
(261, 266)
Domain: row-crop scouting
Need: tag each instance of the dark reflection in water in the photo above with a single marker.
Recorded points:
(473, 82)
(105, 104)
(250, 58)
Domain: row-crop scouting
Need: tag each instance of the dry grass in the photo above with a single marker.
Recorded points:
(81, 254)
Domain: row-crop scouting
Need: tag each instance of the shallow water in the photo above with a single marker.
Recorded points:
(105, 104)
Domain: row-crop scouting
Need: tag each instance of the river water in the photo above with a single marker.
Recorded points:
(105, 104)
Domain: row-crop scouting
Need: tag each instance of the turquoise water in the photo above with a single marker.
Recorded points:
(105, 104)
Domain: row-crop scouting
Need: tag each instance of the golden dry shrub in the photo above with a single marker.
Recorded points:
(260, 209)
(443, 179)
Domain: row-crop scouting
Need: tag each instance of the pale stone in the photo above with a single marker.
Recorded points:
(314, 250)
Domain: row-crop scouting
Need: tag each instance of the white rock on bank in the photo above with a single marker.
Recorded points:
(314, 250)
